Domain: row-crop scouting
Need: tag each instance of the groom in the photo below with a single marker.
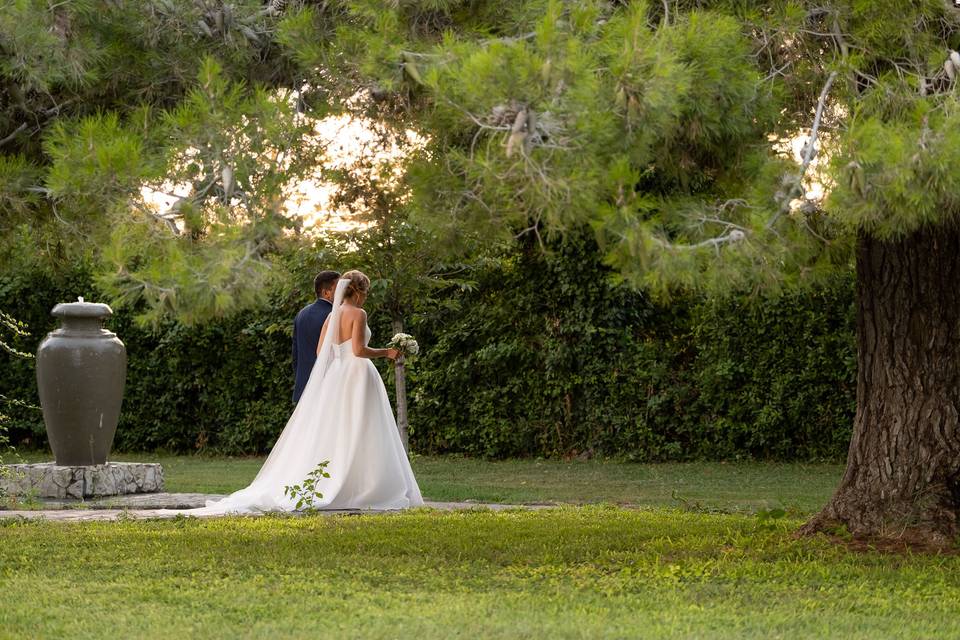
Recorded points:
(307, 326)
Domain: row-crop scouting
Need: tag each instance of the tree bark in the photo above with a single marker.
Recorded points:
(403, 423)
(903, 466)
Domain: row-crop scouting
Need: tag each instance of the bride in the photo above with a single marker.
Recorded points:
(343, 416)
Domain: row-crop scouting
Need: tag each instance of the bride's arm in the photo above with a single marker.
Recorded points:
(357, 334)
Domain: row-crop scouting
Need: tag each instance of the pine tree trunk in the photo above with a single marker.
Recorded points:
(903, 467)
(403, 423)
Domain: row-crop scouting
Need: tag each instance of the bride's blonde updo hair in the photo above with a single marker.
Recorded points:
(359, 283)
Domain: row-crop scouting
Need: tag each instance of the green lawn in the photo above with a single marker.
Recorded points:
(673, 568)
(741, 487)
(586, 572)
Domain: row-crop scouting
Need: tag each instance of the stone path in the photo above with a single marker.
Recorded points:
(135, 501)
(151, 505)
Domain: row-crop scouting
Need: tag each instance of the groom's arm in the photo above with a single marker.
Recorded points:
(294, 346)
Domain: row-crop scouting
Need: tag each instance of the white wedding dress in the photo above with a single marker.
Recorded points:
(343, 416)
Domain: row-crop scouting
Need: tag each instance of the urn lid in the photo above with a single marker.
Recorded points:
(81, 309)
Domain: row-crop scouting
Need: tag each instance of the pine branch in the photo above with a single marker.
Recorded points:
(16, 132)
(796, 186)
(735, 235)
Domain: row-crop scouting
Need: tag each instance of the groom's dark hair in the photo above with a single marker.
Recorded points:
(323, 281)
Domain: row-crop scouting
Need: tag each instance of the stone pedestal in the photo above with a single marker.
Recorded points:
(47, 480)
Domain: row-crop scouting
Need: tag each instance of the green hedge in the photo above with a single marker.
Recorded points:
(544, 357)
(547, 358)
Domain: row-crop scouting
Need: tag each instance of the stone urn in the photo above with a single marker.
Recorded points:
(81, 370)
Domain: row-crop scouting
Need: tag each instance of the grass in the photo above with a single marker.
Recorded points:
(740, 487)
(673, 568)
(573, 572)
(743, 487)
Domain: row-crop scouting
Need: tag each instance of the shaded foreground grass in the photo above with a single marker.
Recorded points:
(737, 487)
(585, 572)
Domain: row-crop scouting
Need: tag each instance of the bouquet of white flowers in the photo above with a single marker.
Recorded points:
(405, 344)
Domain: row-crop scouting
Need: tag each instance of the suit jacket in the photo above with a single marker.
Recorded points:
(306, 337)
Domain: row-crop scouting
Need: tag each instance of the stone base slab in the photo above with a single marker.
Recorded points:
(47, 480)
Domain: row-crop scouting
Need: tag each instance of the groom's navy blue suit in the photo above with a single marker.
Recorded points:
(306, 337)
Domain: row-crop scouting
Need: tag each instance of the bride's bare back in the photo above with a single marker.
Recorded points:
(353, 320)
(353, 326)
